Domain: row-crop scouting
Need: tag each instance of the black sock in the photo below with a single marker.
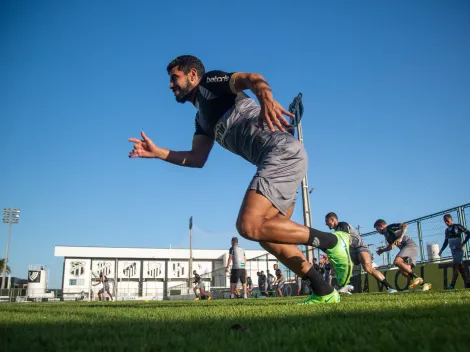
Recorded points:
(321, 239)
(413, 275)
(386, 283)
(319, 286)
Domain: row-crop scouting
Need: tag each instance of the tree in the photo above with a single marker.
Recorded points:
(2, 262)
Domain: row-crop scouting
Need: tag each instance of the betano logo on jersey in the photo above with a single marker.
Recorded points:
(216, 79)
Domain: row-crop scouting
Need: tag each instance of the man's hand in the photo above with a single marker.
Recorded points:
(379, 251)
(271, 112)
(398, 242)
(144, 148)
(460, 246)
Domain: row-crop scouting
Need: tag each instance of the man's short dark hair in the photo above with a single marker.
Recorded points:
(447, 216)
(185, 63)
(331, 215)
(379, 223)
(235, 239)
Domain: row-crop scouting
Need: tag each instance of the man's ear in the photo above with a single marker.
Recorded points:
(193, 75)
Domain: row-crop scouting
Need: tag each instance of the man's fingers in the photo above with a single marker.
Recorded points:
(144, 136)
(279, 124)
(285, 112)
(135, 140)
(276, 121)
(269, 123)
(283, 120)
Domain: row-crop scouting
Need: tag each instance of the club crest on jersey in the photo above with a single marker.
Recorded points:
(217, 79)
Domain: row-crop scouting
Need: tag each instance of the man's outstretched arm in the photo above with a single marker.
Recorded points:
(196, 157)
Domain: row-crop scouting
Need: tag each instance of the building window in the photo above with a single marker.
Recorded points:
(76, 282)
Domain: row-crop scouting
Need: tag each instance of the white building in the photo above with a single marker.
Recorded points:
(149, 272)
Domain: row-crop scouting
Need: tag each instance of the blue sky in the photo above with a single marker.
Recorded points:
(386, 122)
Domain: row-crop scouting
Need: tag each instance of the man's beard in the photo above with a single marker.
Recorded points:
(184, 94)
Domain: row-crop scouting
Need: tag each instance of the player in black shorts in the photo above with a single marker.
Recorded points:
(453, 238)
(257, 133)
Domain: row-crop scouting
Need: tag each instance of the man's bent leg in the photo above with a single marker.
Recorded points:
(366, 262)
(293, 258)
(257, 222)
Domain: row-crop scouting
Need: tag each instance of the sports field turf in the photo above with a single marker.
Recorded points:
(414, 321)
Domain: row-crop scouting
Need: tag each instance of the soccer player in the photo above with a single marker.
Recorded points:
(249, 285)
(262, 283)
(453, 238)
(257, 133)
(360, 253)
(395, 235)
(280, 280)
(238, 258)
(103, 287)
(199, 285)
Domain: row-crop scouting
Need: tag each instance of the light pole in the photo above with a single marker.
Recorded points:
(190, 251)
(297, 108)
(10, 216)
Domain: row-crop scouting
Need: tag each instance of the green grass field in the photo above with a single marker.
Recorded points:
(415, 321)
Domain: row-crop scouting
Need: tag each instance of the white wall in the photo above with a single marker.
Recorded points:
(78, 270)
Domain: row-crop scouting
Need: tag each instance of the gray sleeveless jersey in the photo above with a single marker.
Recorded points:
(238, 257)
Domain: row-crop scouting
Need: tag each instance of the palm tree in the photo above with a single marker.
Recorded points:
(2, 262)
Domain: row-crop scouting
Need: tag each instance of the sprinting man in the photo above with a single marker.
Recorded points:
(238, 273)
(258, 134)
(360, 253)
(453, 238)
(395, 235)
(280, 280)
(199, 285)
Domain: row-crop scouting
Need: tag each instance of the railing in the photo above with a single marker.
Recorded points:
(427, 232)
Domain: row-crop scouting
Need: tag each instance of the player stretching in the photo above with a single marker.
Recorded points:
(395, 235)
(358, 249)
(258, 134)
(453, 238)
(199, 285)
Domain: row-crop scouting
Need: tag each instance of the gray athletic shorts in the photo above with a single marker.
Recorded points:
(409, 253)
(281, 283)
(354, 252)
(457, 255)
(281, 172)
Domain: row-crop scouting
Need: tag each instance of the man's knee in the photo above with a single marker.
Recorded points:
(249, 228)
(398, 261)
